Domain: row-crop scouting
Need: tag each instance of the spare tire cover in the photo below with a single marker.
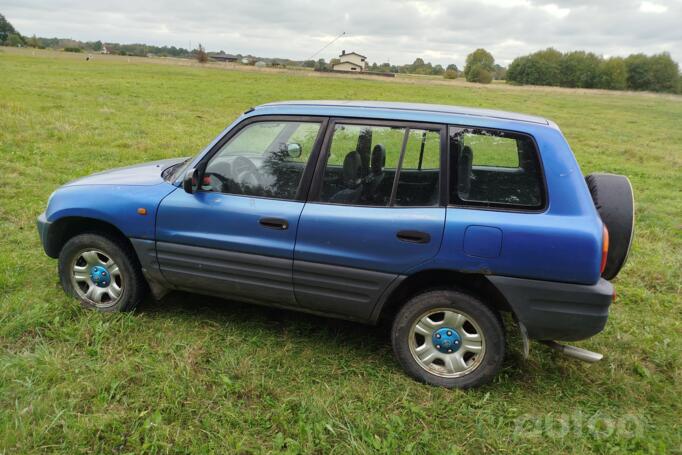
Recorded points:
(613, 197)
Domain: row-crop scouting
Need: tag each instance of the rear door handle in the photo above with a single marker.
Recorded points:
(274, 223)
(414, 236)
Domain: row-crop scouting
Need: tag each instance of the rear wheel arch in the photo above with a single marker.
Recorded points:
(426, 280)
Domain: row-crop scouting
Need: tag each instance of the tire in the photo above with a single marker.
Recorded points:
(419, 353)
(120, 285)
(613, 197)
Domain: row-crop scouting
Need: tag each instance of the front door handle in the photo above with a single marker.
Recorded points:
(274, 223)
(414, 236)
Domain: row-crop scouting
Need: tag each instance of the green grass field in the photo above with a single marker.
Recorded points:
(193, 374)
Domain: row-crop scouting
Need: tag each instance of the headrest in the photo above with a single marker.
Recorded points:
(464, 166)
(352, 165)
(467, 155)
(378, 158)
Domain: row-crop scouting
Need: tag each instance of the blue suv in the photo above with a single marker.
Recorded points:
(434, 219)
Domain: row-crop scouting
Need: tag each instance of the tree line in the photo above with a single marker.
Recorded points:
(9, 36)
(580, 69)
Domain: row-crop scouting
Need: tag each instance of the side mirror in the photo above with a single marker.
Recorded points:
(294, 150)
(189, 182)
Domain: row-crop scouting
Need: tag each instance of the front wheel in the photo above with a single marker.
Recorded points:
(448, 338)
(101, 272)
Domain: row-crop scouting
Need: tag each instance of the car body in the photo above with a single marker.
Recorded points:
(293, 205)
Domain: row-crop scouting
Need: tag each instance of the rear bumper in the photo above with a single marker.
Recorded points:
(557, 311)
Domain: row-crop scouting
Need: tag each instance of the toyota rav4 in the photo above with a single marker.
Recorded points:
(434, 219)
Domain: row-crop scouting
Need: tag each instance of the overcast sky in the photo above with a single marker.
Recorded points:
(384, 30)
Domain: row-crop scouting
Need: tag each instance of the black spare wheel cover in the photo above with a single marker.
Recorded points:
(613, 198)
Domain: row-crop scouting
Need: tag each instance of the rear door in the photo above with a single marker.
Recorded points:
(234, 237)
(374, 213)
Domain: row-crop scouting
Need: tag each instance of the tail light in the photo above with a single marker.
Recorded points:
(604, 249)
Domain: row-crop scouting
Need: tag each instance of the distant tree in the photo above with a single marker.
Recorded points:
(478, 73)
(539, 68)
(479, 67)
(664, 73)
(201, 55)
(639, 77)
(426, 68)
(321, 65)
(516, 73)
(579, 69)
(438, 70)
(309, 64)
(548, 67)
(452, 67)
(33, 42)
(15, 40)
(450, 74)
(6, 29)
(385, 68)
(499, 73)
(73, 49)
(613, 74)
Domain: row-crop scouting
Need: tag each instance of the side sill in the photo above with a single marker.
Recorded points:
(146, 254)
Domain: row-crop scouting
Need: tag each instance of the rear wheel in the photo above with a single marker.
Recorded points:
(448, 338)
(101, 272)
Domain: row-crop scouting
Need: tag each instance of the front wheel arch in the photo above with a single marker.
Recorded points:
(117, 263)
(64, 229)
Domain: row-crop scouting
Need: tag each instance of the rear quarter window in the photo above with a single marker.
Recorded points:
(491, 168)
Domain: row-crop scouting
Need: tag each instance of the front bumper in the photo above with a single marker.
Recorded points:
(557, 311)
(43, 231)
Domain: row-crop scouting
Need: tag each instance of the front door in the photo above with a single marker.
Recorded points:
(374, 214)
(234, 237)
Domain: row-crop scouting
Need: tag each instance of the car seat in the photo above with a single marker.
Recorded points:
(376, 174)
(464, 169)
(352, 166)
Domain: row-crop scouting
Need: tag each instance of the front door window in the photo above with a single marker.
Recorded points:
(264, 159)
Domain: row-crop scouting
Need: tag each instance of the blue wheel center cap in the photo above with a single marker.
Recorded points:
(446, 340)
(100, 276)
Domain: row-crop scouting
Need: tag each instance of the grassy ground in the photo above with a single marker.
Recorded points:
(197, 374)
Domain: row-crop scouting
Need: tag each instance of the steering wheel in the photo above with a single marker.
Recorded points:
(245, 172)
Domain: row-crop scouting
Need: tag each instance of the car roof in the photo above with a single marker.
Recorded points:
(418, 110)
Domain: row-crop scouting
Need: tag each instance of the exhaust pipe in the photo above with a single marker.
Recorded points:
(575, 352)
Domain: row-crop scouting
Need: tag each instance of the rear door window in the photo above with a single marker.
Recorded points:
(380, 165)
(495, 169)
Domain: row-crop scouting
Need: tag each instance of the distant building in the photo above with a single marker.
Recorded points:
(104, 49)
(260, 64)
(351, 61)
(222, 57)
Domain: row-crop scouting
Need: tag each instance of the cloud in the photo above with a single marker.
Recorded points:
(650, 7)
(385, 30)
